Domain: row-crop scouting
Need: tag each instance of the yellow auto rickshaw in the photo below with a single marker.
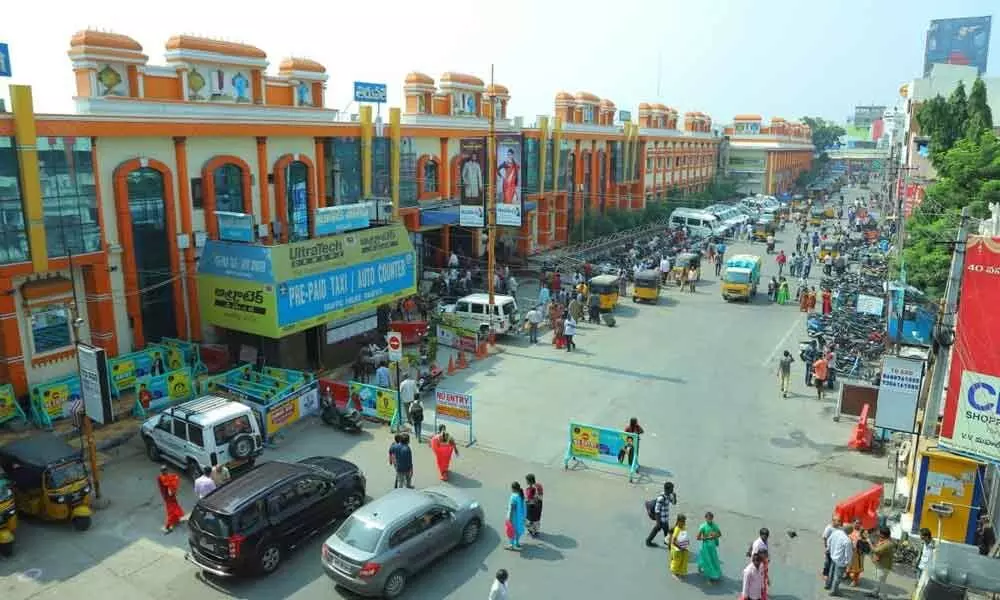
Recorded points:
(606, 287)
(8, 518)
(761, 231)
(646, 286)
(682, 263)
(817, 215)
(49, 479)
(829, 248)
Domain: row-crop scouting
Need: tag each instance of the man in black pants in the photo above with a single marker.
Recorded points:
(661, 510)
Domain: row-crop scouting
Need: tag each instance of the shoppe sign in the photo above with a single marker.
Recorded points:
(275, 291)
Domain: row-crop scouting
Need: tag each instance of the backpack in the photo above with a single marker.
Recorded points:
(651, 507)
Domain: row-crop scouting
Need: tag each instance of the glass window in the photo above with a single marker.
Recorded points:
(224, 432)
(549, 164)
(381, 167)
(251, 516)
(13, 235)
(343, 170)
(211, 523)
(430, 177)
(152, 253)
(360, 534)
(69, 196)
(195, 436)
(229, 188)
(180, 429)
(530, 165)
(617, 164)
(50, 329)
(407, 173)
(563, 165)
(297, 197)
(477, 309)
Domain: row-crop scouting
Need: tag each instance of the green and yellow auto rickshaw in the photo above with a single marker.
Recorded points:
(762, 230)
(48, 479)
(8, 518)
(646, 286)
(606, 287)
(817, 215)
(683, 263)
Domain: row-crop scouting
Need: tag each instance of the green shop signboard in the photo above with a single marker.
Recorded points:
(274, 291)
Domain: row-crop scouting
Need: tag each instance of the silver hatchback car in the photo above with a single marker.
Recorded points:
(387, 541)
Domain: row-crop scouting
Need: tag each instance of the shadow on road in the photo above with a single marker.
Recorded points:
(557, 540)
(463, 481)
(535, 551)
(799, 439)
(725, 586)
(611, 370)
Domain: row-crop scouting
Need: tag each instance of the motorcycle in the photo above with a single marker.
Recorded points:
(346, 419)
(428, 380)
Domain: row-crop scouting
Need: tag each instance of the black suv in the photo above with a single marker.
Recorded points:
(246, 525)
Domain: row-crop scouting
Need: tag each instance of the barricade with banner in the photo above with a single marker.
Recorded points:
(181, 353)
(454, 407)
(456, 337)
(9, 408)
(381, 404)
(603, 445)
(128, 368)
(156, 392)
(284, 409)
(54, 400)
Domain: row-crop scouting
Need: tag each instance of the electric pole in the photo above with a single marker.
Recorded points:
(491, 203)
(946, 322)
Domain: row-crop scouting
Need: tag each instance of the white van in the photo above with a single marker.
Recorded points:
(701, 223)
(732, 218)
(473, 312)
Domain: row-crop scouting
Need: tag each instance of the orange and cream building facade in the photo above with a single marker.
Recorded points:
(103, 212)
(767, 159)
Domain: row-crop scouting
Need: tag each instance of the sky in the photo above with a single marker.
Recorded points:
(787, 58)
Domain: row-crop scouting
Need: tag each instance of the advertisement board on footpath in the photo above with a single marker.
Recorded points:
(156, 392)
(9, 408)
(275, 413)
(380, 404)
(971, 420)
(126, 369)
(898, 394)
(54, 400)
(455, 407)
(456, 337)
(603, 445)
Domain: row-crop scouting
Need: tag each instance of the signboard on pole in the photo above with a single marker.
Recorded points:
(510, 205)
(395, 342)
(472, 182)
(370, 92)
(898, 394)
(95, 384)
(455, 407)
(624, 116)
(601, 444)
(4, 60)
(870, 305)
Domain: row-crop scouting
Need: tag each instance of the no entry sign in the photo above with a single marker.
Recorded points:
(395, 340)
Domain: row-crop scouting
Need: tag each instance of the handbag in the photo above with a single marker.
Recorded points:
(509, 529)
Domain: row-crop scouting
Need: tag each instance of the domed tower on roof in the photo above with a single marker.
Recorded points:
(587, 108)
(747, 124)
(464, 92)
(302, 72)
(606, 112)
(106, 64)
(214, 70)
(501, 96)
(419, 91)
(565, 107)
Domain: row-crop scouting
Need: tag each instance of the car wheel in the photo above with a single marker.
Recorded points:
(241, 446)
(81, 523)
(352, 502)
(269, 559)
(470, 533)
(152, 451)
(395, 583)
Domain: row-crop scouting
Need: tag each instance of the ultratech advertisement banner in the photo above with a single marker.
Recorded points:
(472, 182)
(510, 206)
(277, 290)
(971, 422)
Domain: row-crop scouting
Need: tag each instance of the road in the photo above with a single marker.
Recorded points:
(698, 372)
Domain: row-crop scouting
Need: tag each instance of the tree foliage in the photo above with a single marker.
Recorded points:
(824, 133)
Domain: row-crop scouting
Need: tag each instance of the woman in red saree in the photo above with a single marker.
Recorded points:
(827, 302)
(169, 484)
(510, 177)
(443, 446)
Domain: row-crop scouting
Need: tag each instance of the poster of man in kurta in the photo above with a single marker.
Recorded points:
(508, 184)
(472, 184)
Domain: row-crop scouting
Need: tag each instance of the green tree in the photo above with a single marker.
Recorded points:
(979, 118)
(824, 133)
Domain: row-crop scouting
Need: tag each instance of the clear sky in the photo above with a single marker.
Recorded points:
(785, 58)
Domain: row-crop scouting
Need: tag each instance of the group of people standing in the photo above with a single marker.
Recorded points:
(845, 548)
(168, 484)
(807, 300)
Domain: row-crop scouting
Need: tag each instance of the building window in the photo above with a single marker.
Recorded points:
(549, 165)
(530, 165)
(151, 248)
(407, 173)
(430, 177)
(563, 165)
(69, 196)
(13, 234)
(297, 194)
(381, 174)
(229, 188)
(50, 329)
(343, 170)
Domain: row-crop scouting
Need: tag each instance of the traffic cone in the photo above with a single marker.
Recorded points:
(451, 365)
(481, 351)
(492, 337)
(461, 360)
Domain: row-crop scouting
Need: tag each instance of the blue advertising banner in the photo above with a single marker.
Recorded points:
(333, 290)
(235, 227)
(600, 444)
(963, 41)
(252, 263)
(338, 219)
(4, 60)
(370, 92)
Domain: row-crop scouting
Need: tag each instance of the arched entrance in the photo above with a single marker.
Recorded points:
(295, 191)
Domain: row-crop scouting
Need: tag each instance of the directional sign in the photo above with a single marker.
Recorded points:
(395, 340)
(4, 60)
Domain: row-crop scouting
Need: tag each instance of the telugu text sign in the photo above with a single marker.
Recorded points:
(453, 406)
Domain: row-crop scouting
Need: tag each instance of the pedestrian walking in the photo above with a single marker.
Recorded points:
(827, 301)
(785, 372)
(772, 289)
(416, 414)
(679, 546)
(708, 554)
(569, 330)
(401, 458)
(820, 371)
(168, 485)
(781, 259)
(658, 510)
(926, 551)
(841, 552)
(533, 504)
(204, 485)
(498, 591)
(811, 300)
(753, 579)
(760, 548)
(594, 302)
(835, 523)
(559, 332)
(692, 278)
(798, 243)
(807, 264)
(408, 391)
(783, 292)
(882, 556)
(516, 513)
(533, 319)
(444, 447)
(828, 265)
(383, 378)
(220, 475)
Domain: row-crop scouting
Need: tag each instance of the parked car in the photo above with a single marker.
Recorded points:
(388, 541)
(246, 526)
(204, 432)
(472, 312)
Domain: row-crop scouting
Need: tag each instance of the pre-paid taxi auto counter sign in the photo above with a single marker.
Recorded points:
(274, 291)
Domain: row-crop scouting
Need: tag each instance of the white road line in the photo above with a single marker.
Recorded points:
(784, 340)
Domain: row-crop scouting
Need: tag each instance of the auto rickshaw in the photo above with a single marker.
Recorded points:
(646, 286)
(829, 248)
(48, 479)
(8, 518)
(606, 287)
(683, 262)
(817, 215)
(761, 231)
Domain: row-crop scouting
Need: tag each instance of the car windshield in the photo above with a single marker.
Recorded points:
(211, 523)
(64, 474)
(737, 277)
(360, 534)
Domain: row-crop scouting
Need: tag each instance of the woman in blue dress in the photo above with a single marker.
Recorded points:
(516, 515)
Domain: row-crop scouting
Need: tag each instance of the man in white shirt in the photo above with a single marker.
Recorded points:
(664, 268)
(498, 591)
(841, 551)
(834, 523)
(753, 579)
(204, 485)
(534, 319)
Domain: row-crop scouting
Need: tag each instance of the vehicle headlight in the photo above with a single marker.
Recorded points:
(473, 505)
(86, 489)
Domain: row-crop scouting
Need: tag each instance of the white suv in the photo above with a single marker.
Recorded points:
(203, 433)
(472, 312)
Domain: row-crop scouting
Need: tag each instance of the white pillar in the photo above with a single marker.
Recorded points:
(184, 85)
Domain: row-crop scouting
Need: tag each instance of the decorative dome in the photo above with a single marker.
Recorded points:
(461, 78)
(564, 96)
(778, 120)
(418, 78)
(747, 118)
(645, 106)
(587, 97)
(658, 106)
(495, 89)
(301, 64)
(103, 39)
(200, 44)
(607, 104)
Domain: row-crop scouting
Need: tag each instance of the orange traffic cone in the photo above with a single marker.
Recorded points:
(483, 350)
(492, 337)
(451, 365)
(461, 360)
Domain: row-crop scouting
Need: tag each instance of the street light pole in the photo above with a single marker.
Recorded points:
(491, 204)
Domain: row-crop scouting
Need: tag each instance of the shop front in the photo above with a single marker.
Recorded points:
(281, 301)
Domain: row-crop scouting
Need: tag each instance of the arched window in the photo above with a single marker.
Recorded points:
(297, 193)
(229, 192)
(151, 249)
(430, 177)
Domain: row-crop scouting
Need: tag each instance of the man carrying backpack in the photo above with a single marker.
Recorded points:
(658, 509)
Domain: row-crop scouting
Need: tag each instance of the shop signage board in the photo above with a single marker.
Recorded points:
(455, 407)
(603, 445)
(4, 60)
(274, 291)
(870, 305)
(95, 385)
(510, 201)
(971, 423)
(331, 220)
(370, 92)
(235, 226)
(898, 394)
(345, 329)
(156, 392)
